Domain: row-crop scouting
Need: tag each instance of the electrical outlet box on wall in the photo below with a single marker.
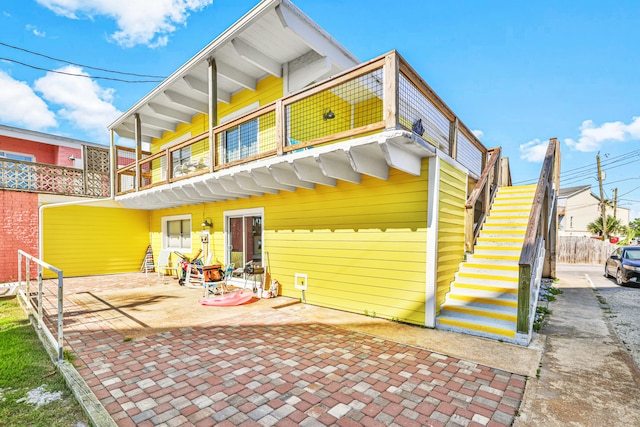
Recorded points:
(301, 281)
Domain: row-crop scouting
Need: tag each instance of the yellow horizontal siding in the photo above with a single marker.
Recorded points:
(452, 198)
(83, 240)
(362, 245)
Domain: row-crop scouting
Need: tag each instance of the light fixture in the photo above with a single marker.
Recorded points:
(207, 223)
(72, 158)
(328, 115)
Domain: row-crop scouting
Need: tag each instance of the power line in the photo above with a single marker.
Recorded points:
(80, 65)
(79, 75)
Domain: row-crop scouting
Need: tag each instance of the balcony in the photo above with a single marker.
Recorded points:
(380, 100)
(92, 180)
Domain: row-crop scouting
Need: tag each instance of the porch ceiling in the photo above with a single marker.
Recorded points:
(373, 155)
(274, 34)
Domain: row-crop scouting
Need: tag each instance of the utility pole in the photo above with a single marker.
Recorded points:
(615, 202)
(603, 208)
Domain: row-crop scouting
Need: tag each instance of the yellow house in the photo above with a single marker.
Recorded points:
(351, 183)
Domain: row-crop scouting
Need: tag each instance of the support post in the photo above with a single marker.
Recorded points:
(524, 297)
(138, 139)
(603, 207)
(213, 110)
(391, 71)
(453, 138)
(115, 186)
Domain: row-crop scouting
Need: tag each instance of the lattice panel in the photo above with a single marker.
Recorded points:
(97, 160)
(53, 179)
(17, 175)
(97, 164)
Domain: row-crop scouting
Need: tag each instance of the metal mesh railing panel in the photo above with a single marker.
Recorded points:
(417, 113)
(352, 104)
(468, 154)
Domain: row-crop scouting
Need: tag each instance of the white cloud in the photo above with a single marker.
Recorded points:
(534, 151)
(592, 137)
(20, 106)
(85, 104)
(139, 21)
(35, 31)
(478, 133)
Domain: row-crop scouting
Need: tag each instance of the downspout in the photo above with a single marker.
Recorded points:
(76, 202)
(431, 284)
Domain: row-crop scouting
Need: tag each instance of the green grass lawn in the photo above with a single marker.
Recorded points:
(27, 371)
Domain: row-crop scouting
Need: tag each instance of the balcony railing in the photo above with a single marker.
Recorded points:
(92, 180)
(384, 93)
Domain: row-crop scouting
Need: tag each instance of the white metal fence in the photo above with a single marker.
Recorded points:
(45, 304)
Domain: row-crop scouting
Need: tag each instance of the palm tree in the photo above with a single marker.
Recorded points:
(614, 226)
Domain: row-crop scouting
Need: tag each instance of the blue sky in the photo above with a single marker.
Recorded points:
(518, 73)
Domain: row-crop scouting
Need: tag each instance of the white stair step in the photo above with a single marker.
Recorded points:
(488, 269)
(482, 297)
(499, 309)
(500, 259)
(494, 329)
(480, 315)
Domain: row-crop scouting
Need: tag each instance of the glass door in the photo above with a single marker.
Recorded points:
(244, 239)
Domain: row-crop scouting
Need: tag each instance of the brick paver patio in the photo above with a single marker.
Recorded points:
(272, 368)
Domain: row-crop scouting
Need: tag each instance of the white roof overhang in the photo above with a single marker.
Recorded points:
(273, 36)
(372, 155)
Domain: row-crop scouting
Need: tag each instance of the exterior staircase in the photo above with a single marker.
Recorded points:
(483, 299)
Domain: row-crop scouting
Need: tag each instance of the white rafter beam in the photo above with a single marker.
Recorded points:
(197, 84)
(308, 169)
(246, 181)
(170, 112)
(130, 135)
(203, 87)
(236, 76)
(156, 122)
(308, 73)
(336, 164)
(264, 177)
(187, 102)
(257, 58)
(402, 159)
(285, 174)
(317, 41)
(369, 160)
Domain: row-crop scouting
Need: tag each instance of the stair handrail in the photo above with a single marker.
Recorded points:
(541, 234)
(490, 170)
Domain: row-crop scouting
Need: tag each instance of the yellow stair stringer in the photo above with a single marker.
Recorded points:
(483, 298)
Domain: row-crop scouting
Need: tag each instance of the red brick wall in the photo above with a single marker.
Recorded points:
(18, 230)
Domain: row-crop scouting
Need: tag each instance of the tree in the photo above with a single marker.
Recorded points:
(613, 227)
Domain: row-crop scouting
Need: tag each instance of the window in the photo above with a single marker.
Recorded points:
(179, 158)
(17, 156)
(176, 233)
(241, 141)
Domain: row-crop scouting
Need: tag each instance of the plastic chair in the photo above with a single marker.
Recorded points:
(194, 276)
(164, 263)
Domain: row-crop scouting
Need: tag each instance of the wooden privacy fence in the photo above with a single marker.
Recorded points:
(583, 250)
